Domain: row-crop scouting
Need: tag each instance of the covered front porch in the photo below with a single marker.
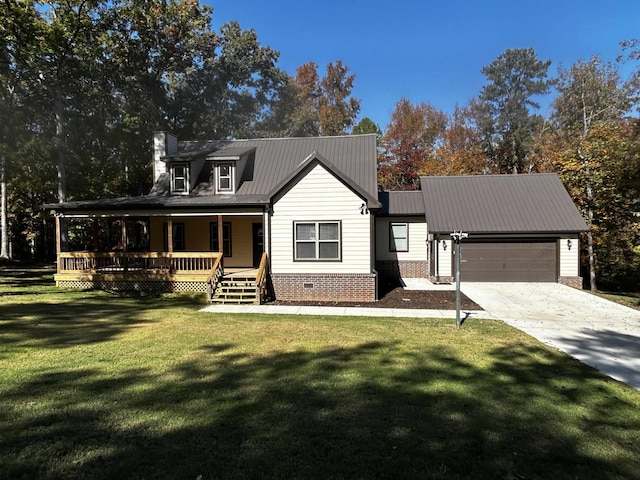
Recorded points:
(200, 252)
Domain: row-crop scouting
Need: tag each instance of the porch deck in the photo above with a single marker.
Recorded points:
(156, 272)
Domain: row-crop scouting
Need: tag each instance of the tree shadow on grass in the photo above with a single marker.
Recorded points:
(59, 325)
(375, 410)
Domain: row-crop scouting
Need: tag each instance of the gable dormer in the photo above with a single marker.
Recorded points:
(228, 168)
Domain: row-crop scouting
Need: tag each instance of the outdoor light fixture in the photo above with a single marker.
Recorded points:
(569, 243)
(363, 209)
(444, 245)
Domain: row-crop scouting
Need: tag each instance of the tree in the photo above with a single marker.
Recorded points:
(367, 126)
(590, 105)
(96, 77)
(308, 105)
(515, 77)
(461, 151)
(410, 144)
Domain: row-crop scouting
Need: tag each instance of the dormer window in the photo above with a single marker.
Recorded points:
(180, 178)
(224, 178)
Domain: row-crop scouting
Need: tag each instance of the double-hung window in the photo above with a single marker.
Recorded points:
(224, 178)
(180, 178)
(398, 237)
(317, 240)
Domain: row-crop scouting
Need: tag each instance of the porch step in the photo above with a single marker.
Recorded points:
(236, 290)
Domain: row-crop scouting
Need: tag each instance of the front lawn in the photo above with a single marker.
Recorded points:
(99, 385)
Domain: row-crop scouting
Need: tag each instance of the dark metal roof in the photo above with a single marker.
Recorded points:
(150, 202)
(402, 203)
(528, 203)
(278, 158)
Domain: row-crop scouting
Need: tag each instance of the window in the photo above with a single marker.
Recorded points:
(317, 241)
(180, 178)
(178, 237)
(398, 237)
(224, 177)
(226, 238)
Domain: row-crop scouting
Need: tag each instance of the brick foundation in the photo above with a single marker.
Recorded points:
(575, 282)
(402, 269)
(327, 287)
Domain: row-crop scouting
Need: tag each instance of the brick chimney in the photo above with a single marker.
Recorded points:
(164, 143)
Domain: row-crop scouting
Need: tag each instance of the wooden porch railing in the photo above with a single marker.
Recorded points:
(261, 278)
(216, 273)
(138, 262)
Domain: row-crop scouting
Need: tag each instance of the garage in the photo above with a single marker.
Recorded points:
(521, 228)
(510, 261)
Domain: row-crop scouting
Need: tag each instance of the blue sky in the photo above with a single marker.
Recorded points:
(431, 51)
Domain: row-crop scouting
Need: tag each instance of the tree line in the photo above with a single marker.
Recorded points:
(83, 83)
(591, 138)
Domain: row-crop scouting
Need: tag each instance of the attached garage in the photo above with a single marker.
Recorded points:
(521, 228)
(510, 261)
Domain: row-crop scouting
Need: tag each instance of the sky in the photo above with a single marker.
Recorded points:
(432, 51)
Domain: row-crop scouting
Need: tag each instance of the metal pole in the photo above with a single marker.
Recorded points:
(458, 321)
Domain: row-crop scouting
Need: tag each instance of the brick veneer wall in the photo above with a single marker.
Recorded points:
(328, 287)
(402, 269)
(575, 282)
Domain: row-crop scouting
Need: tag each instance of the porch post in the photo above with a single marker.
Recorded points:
(220, 235)
(58, 244)
(123, 228)
(170, 234)
(96, 234)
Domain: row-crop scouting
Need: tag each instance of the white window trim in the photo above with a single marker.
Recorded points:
(392, 237)
(218, 177)
(317, 241)
(187, 185)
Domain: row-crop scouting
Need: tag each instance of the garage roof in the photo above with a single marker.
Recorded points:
(526, 203)
(401, 203)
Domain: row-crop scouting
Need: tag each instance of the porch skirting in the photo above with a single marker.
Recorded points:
(394, 269)
(325, 287)
(131, 284)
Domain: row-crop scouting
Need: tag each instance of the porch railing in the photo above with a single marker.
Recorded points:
(138, 262)
(216, 273)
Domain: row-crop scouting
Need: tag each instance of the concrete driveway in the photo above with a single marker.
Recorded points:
(597, 332)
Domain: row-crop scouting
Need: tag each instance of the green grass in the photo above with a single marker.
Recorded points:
(627, 299)
(99, 385)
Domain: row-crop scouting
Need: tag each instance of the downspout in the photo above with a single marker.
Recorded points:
(437, 259)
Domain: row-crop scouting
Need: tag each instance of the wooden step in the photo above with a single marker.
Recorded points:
(236, 289)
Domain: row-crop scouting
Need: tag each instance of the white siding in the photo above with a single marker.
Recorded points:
(417, 239)
(444, 258)
(569, 258)
(320, 196)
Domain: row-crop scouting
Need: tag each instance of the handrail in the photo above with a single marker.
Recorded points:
(261, 277)
(141, 262)
(216, 273)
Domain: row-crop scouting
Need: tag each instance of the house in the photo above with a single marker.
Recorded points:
(302, 219)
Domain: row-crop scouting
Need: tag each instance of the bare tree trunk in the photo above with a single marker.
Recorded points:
(61, 165)
(4, 224)
(60, 147)
(589, 194)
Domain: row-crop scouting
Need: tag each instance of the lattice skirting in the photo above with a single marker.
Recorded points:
(136, 286)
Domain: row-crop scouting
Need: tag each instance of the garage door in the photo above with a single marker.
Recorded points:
(509, 261)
